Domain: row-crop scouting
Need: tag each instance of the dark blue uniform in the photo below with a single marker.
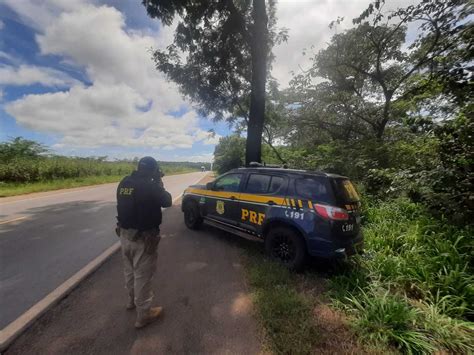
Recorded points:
(139, 202)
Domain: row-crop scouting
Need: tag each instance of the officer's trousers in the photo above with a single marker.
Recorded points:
(139, 268)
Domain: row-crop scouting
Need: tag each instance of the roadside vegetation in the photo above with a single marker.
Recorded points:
(28, 167)
(284, 312)
(395, 114)
(413, 290)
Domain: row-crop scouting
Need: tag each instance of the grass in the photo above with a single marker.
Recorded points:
(413, 290)
(14, 189)
(285, 314)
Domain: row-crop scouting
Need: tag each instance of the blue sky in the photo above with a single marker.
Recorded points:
(55, 74)
(77, 75)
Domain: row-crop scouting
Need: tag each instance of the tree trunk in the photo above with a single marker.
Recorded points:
(259, 49)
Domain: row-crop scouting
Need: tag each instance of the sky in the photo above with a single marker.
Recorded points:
(77, 75)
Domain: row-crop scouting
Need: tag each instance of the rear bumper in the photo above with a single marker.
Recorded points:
(335, 250)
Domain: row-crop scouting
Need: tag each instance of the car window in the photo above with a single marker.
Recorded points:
(264, 184)
(276, 184)
(258, 184)
(314, 189)
(229, 183)
(346, 191)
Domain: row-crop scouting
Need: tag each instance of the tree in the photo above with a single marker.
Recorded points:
(220, 57)
(275, 126)
(20, 148)
(229, 153)
(369, 72)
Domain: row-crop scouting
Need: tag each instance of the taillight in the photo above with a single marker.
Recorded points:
(330, 212)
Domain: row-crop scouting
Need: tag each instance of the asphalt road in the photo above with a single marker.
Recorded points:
(45, 238)
(200, 283)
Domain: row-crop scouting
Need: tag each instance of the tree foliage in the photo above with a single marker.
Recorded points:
(368, 74)
(229, 153)
(220, 57)
(20, 148)
(392, 112)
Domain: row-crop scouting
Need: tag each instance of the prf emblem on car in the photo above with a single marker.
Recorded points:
(220, 207)
(252, 216)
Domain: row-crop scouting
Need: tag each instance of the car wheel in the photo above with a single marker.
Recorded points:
(287, 247)
(192, 217)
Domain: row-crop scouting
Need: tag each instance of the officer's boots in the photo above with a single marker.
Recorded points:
(151, 316)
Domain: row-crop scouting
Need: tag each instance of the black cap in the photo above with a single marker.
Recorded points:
(147, 164)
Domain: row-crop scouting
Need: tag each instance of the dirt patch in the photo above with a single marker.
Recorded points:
(335, 335)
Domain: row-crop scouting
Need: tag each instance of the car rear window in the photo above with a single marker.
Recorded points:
(346, 191)
(314, 189)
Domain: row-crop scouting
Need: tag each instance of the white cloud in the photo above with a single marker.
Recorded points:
(204, 158)
(6, 56)
(129, 101)
(39, 14)
(27, 75)
(105, 115)
(95, 38)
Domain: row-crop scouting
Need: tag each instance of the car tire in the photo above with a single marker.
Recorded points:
(286, 246)
(192, 217)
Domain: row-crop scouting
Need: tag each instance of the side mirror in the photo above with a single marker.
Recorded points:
(210, 185)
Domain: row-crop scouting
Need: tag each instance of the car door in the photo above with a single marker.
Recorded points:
(222, 204)
(260, 193)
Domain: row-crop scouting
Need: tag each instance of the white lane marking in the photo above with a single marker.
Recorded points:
(12, 220)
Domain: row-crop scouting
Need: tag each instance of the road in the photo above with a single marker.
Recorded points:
(200, 283)
(45, 238)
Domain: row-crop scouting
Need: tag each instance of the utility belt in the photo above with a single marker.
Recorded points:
(134, 234)
(150, 237)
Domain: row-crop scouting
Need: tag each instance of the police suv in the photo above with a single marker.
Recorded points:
(296, 212)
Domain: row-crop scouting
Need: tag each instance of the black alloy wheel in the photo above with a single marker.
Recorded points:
(287, 247)
(283, 248)
(192, 217)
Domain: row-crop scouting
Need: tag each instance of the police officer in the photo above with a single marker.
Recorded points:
(140, 198)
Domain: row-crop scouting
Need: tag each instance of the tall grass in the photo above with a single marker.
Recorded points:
(26, 174)
(415, 287)
(33, 169)
(23, 170)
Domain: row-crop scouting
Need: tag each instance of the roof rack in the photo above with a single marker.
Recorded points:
(255, 164)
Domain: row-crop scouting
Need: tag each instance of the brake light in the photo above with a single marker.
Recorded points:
(330, 212)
